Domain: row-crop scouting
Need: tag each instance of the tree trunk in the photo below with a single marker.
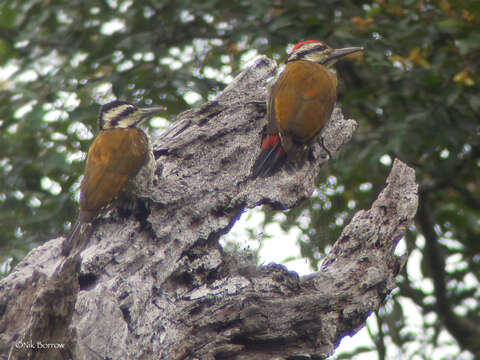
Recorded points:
(156, 284)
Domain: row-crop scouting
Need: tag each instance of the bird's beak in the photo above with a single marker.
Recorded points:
(146, 112)
(338, 53)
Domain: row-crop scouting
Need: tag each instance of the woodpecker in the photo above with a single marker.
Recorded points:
(299, 103)
(114, 158)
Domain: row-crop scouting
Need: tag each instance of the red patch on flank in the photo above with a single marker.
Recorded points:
(270, 141)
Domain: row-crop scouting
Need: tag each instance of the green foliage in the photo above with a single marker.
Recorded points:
(414, 93)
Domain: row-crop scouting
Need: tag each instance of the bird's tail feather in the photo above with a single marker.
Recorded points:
(271, 157)
(77, 237)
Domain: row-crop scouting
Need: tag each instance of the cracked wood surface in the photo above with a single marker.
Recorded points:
(158, 286)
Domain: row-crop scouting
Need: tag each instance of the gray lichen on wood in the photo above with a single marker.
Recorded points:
(158, 285)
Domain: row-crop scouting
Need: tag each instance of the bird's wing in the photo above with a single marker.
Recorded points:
(114, 158)
(304, 97)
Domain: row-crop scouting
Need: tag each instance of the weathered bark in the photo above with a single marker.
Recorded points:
(157, 285)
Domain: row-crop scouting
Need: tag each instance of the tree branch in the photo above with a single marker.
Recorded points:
(156, 284)
(465, 330)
